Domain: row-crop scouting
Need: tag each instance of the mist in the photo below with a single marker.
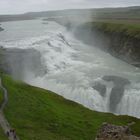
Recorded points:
(20, 6)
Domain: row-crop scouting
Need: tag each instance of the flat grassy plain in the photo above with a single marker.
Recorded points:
(38, 114)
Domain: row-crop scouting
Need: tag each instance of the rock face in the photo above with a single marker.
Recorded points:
(113, 132)
(100, 88)
(117, 44)
(118, 81)
(126, 48)
(117, 91)
(1, 29)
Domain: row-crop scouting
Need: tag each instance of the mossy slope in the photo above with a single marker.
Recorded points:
(2, 135)
(130, 30)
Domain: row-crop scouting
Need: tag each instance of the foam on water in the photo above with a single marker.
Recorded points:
(71, 67)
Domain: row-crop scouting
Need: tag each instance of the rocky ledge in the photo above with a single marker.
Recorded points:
(113, 132)
(1, 29)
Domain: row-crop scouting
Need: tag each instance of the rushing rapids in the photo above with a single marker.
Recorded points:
(47, 56)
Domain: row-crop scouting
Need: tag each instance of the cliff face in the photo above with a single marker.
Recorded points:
(122, 42)
(125, 47)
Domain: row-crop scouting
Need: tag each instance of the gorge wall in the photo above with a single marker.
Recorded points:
(122, 41)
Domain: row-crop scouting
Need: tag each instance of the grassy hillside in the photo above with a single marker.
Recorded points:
(38, 114)
(130, 30)
(2, 135)
(119, 13)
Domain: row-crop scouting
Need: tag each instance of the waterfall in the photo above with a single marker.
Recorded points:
(72, 69)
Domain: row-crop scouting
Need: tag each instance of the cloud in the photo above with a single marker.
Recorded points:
(21, 6)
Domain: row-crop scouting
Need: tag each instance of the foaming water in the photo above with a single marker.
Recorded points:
(71, 67)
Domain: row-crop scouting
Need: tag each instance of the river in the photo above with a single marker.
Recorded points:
(73, 69)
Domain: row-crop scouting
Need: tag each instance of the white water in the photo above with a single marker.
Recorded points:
(72, 67)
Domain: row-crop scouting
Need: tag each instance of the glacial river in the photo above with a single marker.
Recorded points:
(73, 69)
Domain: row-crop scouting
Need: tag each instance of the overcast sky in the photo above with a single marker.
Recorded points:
(22, 6)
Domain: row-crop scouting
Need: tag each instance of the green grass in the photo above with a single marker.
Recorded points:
(38, 114)
(1, 95)
(2, 135)
(128, 29)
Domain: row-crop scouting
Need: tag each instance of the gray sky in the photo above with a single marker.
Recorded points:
(21, 6)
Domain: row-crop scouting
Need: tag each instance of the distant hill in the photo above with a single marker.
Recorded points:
(127, 12)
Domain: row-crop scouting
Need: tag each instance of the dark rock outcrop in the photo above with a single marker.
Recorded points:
(113, 132)
(100, 88)
(124, 47)
(119, 81)
(1, 29)
(117, 91)
(116, 95)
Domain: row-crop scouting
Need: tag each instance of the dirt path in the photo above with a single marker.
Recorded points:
(3, 122)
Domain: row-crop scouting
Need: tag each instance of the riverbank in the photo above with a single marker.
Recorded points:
(119, 39)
